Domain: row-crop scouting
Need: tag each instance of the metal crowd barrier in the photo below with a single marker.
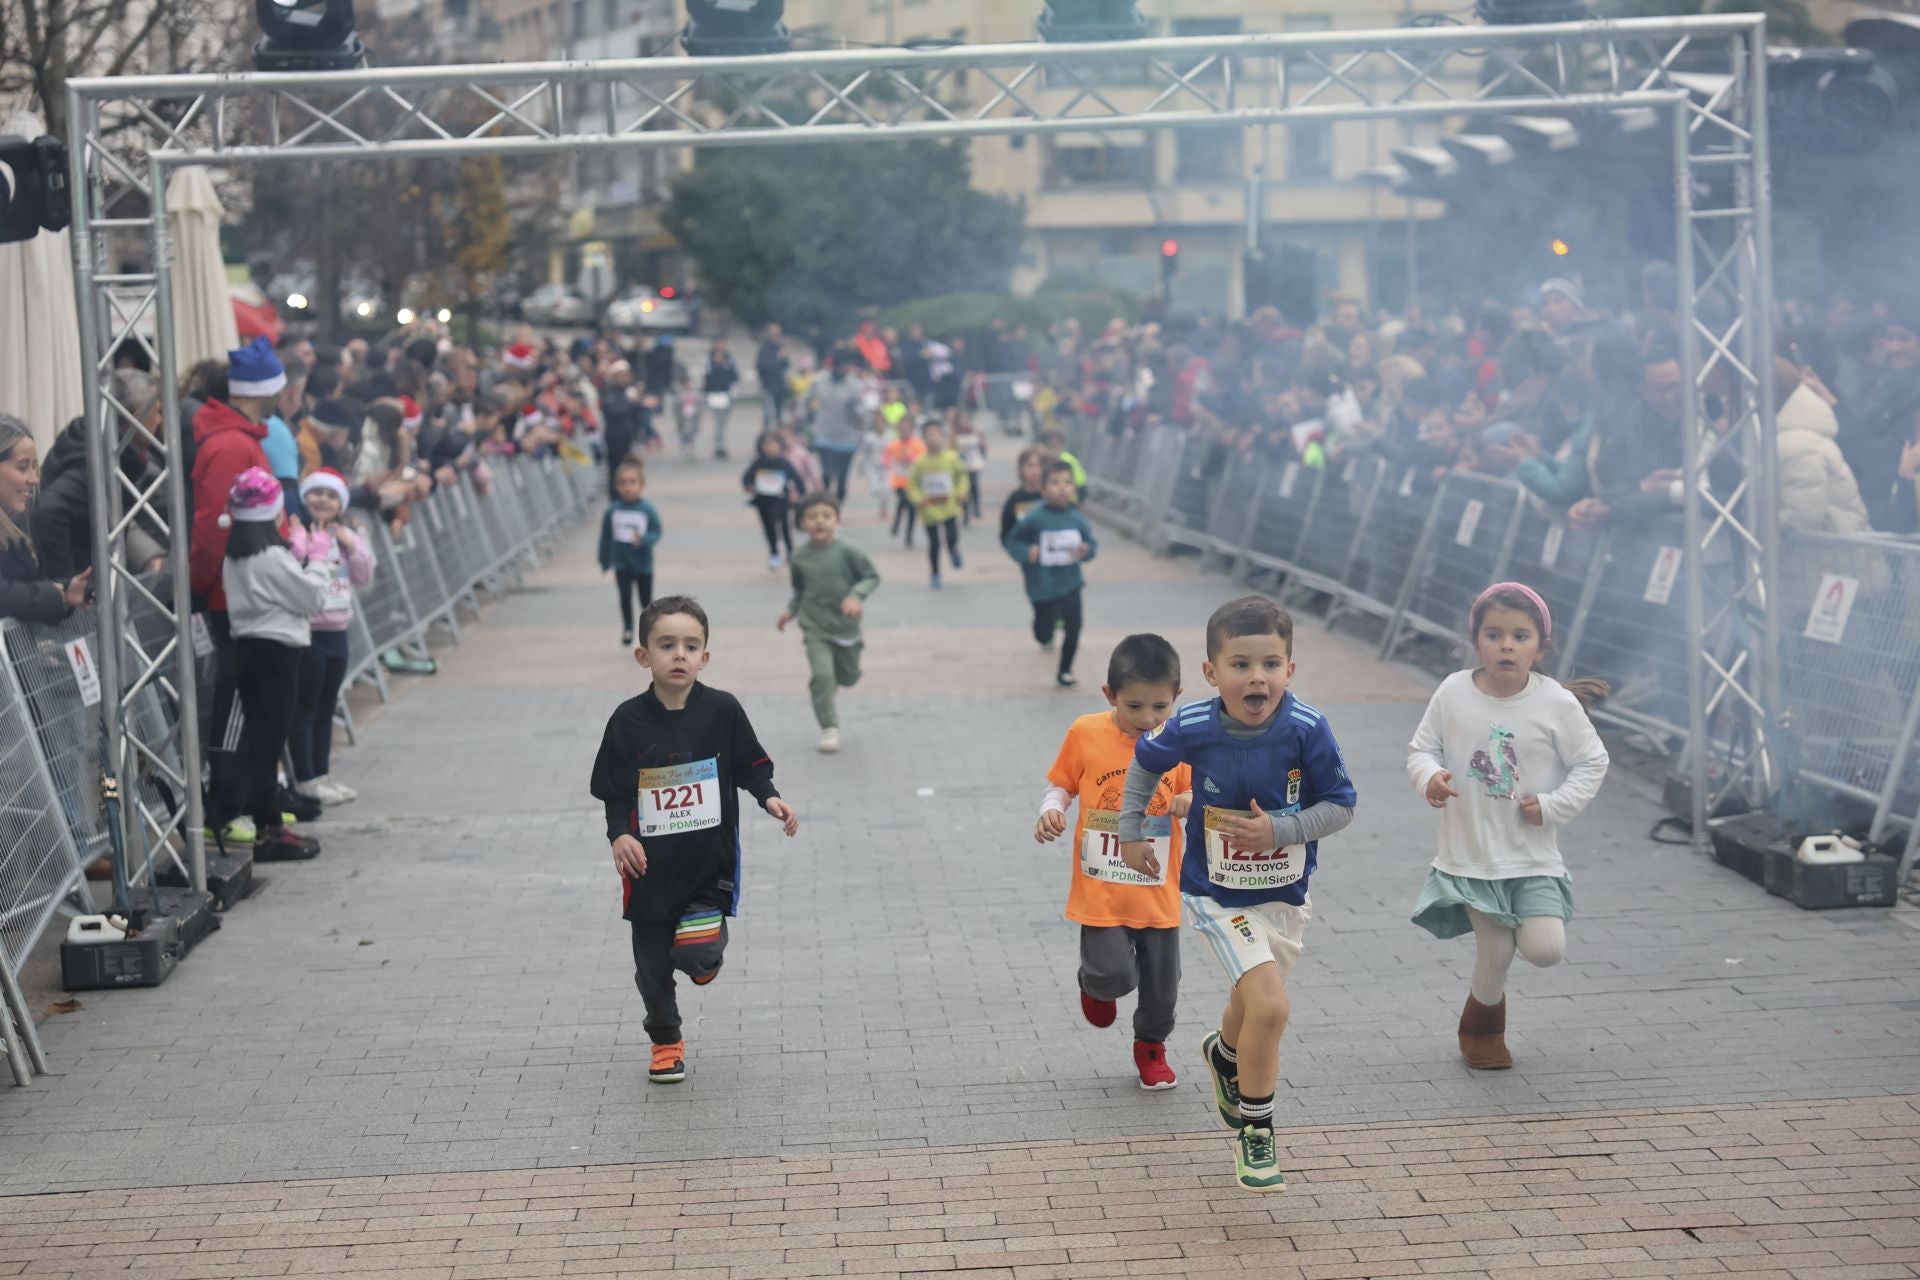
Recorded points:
(1369, 538)
(53, 820)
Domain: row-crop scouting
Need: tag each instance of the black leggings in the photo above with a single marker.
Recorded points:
(268, 675)
(952, 525)
(903, 512)
(773, 523)
(973, 507)
(627, 583)
(1046, 613)
(323, 669)
(834, 465)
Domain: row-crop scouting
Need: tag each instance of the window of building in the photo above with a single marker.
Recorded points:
(1118, 159)
(1309, 146)
(1202, 154)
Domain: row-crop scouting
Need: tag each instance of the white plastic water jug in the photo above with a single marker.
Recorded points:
(1828, 851)
(86, 929)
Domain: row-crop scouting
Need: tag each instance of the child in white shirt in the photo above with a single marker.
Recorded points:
(1528, 761)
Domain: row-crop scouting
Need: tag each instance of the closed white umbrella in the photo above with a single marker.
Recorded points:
(203, 324)
(40, 366)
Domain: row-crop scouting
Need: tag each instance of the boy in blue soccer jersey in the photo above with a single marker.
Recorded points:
(1268, 783)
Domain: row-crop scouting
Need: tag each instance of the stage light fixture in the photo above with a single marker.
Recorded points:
(307, 35)
(1083, 20)
(728, 28)
(33, 188)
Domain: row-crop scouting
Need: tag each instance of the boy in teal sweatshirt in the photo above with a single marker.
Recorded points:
(1050, 543)
(831, 582)
(627, 534)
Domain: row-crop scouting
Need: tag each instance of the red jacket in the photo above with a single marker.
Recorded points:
(227, 443)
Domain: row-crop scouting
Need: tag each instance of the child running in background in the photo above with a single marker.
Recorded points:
(670, 768)
(937, 485)
(771, 484)
(1052, 541)
(1529, 761)
(628, 533)
(1129, 922)
(1273, 784)
(971, 445)
(348, 561)
(831, 582)
(900, 453)
(1026, 496)
(873, 463)
(271, 599)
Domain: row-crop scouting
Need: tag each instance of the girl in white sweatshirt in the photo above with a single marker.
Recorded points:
(271, 596)
(1527, 761)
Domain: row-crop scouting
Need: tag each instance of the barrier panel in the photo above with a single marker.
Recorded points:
(1415, 551)
(53, 820)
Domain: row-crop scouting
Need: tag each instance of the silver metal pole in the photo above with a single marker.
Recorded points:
(1764, 452)
(180, 518)
(1697, 745)
(103, 453)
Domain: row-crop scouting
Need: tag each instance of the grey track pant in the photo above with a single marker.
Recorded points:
(1116, 959)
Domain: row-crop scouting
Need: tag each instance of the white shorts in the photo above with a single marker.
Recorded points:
(1244, 938)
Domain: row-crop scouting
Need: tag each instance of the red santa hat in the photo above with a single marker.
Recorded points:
(411, 415)
(325, 478)
(519, 356)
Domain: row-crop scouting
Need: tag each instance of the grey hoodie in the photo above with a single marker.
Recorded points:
(272, 596)
(839, 421)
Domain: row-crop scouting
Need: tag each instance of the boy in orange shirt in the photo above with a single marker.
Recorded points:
(1129, 923)
(900, 454)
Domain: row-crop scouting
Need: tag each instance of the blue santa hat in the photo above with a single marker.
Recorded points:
(254, 370)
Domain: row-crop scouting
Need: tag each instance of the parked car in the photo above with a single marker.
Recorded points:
(644, 310)
(556, 304)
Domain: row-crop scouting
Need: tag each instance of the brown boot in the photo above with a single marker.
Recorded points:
(1483, 1035)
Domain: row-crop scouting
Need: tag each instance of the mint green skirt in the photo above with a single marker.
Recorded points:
(1444, 899)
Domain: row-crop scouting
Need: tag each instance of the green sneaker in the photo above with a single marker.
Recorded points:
(1256, 1161)
(238, 832)
(1226, 1090)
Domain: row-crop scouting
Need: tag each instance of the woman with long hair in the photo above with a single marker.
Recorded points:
(25, 592)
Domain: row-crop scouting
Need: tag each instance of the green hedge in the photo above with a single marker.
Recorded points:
(970, 315)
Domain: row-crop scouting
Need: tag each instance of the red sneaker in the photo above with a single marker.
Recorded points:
(1150, 1059)
(1100, 1013)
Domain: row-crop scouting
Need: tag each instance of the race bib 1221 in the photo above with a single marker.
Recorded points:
(679, 798)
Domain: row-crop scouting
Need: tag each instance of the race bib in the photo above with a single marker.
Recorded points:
(972, 458)
(937, 484)
(1100, 847)
(629, 527)
(1059, 547)
(1232, 867)
(719, 400)
(679, 798)
(769, 484)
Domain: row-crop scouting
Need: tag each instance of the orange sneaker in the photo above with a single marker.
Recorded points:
(669, 1063)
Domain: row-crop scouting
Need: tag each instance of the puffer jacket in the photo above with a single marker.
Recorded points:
(25, 592)
(1818, 493)
(226, 442)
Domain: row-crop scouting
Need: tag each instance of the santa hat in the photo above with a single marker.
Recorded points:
(519, 356)
(254, 370)
(255, 499)
(411, 415)
(325, 478)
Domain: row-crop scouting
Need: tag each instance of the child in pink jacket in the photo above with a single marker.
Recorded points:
(349, 560)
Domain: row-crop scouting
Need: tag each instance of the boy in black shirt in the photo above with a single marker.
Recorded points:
(668, 770)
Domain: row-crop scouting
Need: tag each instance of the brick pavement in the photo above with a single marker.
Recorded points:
(447, 989)
(1825, 1189)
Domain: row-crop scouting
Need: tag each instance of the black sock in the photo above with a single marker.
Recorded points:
(1225, 1061)
(1257, 1112)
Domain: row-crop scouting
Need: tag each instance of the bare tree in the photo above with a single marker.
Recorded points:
(44, 43)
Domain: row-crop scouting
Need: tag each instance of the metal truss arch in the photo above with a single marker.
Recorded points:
(1706, 75)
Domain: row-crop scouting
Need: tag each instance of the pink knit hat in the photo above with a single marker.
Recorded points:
(255, 499)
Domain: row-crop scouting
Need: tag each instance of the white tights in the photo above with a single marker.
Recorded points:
(1542, 940)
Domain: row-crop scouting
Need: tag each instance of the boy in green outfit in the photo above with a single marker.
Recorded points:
(831, 581)
(938, 485)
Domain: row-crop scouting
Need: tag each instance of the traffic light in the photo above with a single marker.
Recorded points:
(33, 188)
(307, 35)
(1082, 20)
(727, 28)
